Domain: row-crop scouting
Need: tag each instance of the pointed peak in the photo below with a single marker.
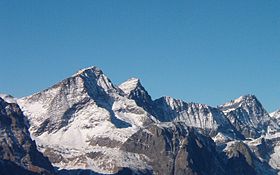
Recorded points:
(130, 84)
(248, 98)
(133, 80)
(96, 75)
(90, 70)
(242, 101)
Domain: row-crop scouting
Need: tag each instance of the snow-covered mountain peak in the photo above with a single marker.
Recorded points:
(275, 114)
(93, 77)
(134, 90)
(248, 104)
(84, 112)
(89, 70)
(242, 99)
(246, 100)
(248, 115)
(8, 98)
(130, 85)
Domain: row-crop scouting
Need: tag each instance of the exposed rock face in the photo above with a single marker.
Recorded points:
(249, 117)
(212, 120)
(176, 149)
(241, 160)
(267, 149)
(18, 153)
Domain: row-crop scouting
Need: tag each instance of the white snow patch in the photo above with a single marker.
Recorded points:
(221, 138)
(274, 160)
(8, 98)
(275, 114)
(129, 85)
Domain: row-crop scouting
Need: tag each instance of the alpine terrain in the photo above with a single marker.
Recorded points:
(85, 124)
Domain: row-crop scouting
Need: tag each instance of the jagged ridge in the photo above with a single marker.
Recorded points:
(86, 122)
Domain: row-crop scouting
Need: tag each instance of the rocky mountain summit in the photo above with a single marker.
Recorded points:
(86, 124)
(276, 116)
(249, 117)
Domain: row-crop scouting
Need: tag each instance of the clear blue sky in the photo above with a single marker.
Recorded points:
(196, 50)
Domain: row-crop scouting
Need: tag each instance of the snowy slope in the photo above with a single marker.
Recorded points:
(133, 89)
(276, 115)
(8, 98)
(129, 85)
(274, 160)
(168, 109)
(248, 116)
(82, 113)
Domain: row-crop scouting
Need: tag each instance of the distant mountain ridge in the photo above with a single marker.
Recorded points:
(86, 123)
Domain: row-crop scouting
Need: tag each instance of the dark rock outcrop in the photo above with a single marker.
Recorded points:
(241, 160)
(18, 153)
(176, 149)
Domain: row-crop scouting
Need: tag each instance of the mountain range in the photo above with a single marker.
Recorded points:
(85, 124)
